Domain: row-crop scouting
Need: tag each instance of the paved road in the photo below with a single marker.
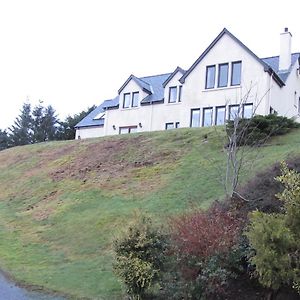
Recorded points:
(9, 291)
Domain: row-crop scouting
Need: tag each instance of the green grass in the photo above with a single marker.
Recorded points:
(63, 203)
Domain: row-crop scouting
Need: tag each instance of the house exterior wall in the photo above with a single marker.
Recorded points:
(89, 132)
(257, 87)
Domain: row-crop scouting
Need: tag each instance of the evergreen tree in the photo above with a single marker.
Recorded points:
(4, 140)
(37, 121)
(49, 123)
(21, 131)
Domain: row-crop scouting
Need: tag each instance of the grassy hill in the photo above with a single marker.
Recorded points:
(63, 203)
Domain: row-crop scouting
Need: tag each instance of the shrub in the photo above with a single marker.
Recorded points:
(202, 242)
(139, 256)
(256, 130)
(276, 237)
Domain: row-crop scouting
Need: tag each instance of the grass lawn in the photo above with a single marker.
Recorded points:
(63, 203)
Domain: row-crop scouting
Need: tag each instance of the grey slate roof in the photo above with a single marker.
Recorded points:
(273, 62)
(141, 83)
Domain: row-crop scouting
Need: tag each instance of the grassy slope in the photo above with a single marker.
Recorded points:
(62, 203)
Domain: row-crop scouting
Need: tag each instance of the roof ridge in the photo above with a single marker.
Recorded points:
(154, 75)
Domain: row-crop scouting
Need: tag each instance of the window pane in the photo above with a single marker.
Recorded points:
(179, 93)
(247, 111)
(126, 102)
(236, 73)
(195, 118)
(210, 77)
(169, 126)
(177, 124)
(207, 116)
(132, 129)
(135, 99)
(233, 111)
(220, 115)
(124, 130)
(172, 94)
(223, 75)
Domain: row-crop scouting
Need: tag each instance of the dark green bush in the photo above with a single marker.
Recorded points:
(140, 255)
(257, 130)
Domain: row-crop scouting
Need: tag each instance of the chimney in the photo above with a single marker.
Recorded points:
(285, 50)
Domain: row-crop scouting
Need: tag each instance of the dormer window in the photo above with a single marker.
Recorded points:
(131, 100)
(175, 94)
(126, 102)
(135, 99)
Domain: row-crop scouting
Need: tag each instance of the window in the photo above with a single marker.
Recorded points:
(126, 101)
(299, 106)
(172, 94)
(234, 111)
(207, 116)
(236, 68)
(177, 124)
(247, 110)
(179, 93)
(195, 117)
(135, 99)
(128, 129)
(210, 77)
(272, 111)
(169, 126)
(223, 75)
(220, 115)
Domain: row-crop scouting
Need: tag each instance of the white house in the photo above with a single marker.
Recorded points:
(227, 79)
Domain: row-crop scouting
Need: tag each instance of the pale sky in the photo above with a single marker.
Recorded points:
(76, 53)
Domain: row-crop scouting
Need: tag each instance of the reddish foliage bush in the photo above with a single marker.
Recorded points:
(203, 234)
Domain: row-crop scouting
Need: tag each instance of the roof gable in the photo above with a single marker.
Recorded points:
(142, 84)
(178, 69)
(267, 68)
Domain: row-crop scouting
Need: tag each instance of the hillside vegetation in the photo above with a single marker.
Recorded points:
(63, 203)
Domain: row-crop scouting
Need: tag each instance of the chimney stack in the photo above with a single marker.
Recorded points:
(285, 59)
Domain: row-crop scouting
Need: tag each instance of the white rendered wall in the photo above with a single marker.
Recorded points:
(89, 132)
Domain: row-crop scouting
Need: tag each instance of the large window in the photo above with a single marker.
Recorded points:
(126, 101)
(172, 94)
(128, 129)
(234, 111)
(236, 68)
(135, 99)
(247, 110)
(207, 116)
(195, 117)
(220, 115)
(223, 75)
(210, 77)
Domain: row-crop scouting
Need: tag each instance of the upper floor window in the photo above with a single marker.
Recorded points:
(210, 77)
(131, 100)
(236, 68)
(223, 75)
(135, 99)
(126, 101)
(175, 94)
(195, 117)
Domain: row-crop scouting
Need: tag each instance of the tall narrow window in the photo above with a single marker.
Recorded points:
(179, 93)
(234, 111)
(247, 110)
(195, 117)
(220, 115)
(207, 116)
(126, 101)
(172, 94)
(210, 77)
(135, 99)
(236, 68)
(223, 75)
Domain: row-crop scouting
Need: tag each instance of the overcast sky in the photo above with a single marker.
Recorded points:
(76, 53)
